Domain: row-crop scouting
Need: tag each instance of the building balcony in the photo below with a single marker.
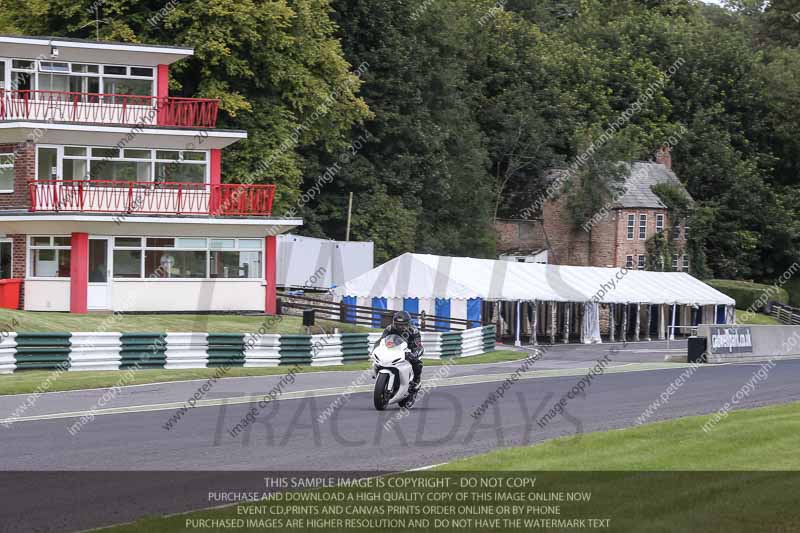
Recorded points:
(148, 198)
(108, 109)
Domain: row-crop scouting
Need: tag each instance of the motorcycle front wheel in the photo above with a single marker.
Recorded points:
(380, 397)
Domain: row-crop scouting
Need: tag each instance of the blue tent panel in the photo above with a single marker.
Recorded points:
(350, 313)
(720, 314)
(474, 312)
(379, 303)
(442, 310)
(412, 306)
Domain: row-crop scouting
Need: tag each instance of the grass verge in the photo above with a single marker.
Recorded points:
(27, 381)
(657, 478)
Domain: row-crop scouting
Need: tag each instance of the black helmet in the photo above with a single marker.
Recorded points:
(401, 320)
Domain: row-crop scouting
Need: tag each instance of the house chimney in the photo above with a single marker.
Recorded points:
(664, 156)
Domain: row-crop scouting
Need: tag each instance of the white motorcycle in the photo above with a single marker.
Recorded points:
(394, 374)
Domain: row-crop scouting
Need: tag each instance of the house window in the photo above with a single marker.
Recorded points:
(629, 262)
(686, 262)
(659, 223)
(115, 164)
(631, 224)
(642, 227)
(6, 172)
(6, 271)
(676, 232)
(89, 79)
(686, 233)
(640, 264)
(187, 257)
(49, 257)
(675, 265)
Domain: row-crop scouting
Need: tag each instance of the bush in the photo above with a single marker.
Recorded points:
(746, 293)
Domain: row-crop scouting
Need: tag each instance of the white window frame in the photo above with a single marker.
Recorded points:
(676, 266)
(676, 232)
(641, 262)
(685, 262)
(659, 223)
(152, 159)
(6, 166)
(51, 246)
(642, 226)
(37, 71)
(208, 249)
(629, 262)
(631, 233)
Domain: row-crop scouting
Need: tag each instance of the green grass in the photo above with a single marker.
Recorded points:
(639, 478)
(25, 382)
(754, 439)
(32, 322)
(756, 319)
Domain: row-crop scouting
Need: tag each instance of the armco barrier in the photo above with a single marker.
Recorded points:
(8, 348)
(744, 343)
(42, 351)
(95, 351)
(112, 351)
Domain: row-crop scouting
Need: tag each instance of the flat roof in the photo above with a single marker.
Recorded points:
(91, 51)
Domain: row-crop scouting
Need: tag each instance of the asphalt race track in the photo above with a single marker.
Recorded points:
(132, 465)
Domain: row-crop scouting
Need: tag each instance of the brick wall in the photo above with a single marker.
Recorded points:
(19, 260)
(636, 246)
(519, 234)
(24, 170)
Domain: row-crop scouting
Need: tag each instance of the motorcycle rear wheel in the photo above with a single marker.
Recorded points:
(380, 397)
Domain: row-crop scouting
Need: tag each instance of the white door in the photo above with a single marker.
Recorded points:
(99, 296)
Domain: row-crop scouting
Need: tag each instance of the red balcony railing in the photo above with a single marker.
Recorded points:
(96, 108)
(133, 197)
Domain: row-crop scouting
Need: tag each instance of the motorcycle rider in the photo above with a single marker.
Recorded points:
(401, 325)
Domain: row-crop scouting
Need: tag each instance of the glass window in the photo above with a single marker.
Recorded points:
(50, 263)
(186, 242)
(127, 263)
(217, 244)
(675, 266)
(175, 263)
(88, 69)
(115, 170)
(109, 69)
(41, 241)
(142, 71)
(676, 231)
(50, 66)
(79, 151)
(686, 262)
(194, 156)
(6, 172)
(22, 64)
(137, 154)
(629, 261)
(47, 165)
(105, 152)
(250, 244)
(642, 227)
(659, 223)
(62, 241)
(98, 261)
(74, 169)
(160, 242)
(631, 223)
(5, 260)
(128, 242)
(235, 264)
(641, 263)
(168, 154)
(180, 172)
(127, 86)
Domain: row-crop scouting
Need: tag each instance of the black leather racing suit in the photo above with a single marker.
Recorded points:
(414, 341)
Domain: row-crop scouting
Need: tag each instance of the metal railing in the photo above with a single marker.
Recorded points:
(370, 316)
(167, 198)
(99, 108)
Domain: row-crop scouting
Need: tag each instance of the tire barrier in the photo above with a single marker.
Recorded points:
(117, 351)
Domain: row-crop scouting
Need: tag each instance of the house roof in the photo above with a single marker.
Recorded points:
(91, 51)
(639, 185)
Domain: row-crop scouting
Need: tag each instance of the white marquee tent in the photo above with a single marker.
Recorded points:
(453, 285)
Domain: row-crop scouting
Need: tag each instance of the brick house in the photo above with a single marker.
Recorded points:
(618, 235)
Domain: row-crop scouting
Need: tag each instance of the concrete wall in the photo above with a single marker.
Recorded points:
(189, 295)
(47, 295)
(768, 342)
